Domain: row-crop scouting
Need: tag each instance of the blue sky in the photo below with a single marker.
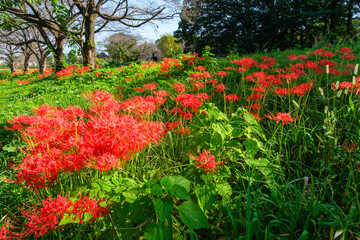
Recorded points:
(151, 33)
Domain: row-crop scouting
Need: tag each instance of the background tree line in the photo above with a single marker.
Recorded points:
(54, 23)
(260, 25)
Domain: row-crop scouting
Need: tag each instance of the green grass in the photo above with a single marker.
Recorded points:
(293, 181)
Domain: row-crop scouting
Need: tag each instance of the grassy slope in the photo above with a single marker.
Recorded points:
(302, 206)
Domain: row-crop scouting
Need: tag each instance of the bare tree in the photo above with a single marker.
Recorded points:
(52, 19)
(98, 15)
(9, 53)
(35, 43)
(80, 20)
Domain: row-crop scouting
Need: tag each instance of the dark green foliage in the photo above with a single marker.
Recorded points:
(257, 25)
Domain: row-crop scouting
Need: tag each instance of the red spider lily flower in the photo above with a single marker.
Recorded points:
(199, 68)
(129, 79)
(186, 115)
(150, 64)
(281, 91)
(285, 118)
(268, 62)
(310, 65)
(86, 205)
(231, 97)
(172, 125)
(246, 62)
(259, 89)
(259, 75)
(179, 87)
(221, 74)
(22, 82)
(47, 218)
(256, 116)
(352, 66)
(150, 86)
(220, 88)
(119, 87)
(139, 89)
(161, 93)
(228, 68)
(189, 100)
(255, 97)
(5, 233)
(302, 89)
(346, 72)
(349, 148)
(202, 96)
(348, 57)
(202, 75)
(190, 59)
(175, 110)
(344, 85)
(292, 57)
(205, 160)
(334, 71)
(185, 131)
(212, 81)
(325, 62)
(69, 140)
(240, 69)
(98, 96)
(345, 50)
(139, 105)
(167, 65)
(323, 53)
(255, 106)
(198, 85)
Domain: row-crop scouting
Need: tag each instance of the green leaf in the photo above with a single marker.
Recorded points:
(249, 118)
(168, 181)
(156, 189)
(67, 219)
(163, 207)
(9, 148)
(129, 196)
(206, 195)
(251, 147)
(223, 188)
(192, 215)
(157, 232)
(179, 192)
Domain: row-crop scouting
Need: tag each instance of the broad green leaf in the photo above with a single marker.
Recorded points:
(129, 196)
(223, 188)
(251, 147)
(192, 215)
(249, 118)
(156, 189)
(157, 232)
(179, 192)
(206, 195)
(168, 181)
(163, 207)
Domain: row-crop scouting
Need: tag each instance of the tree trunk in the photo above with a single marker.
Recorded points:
(349, 17)
(59, 55)
(88, 49)
(42, 65)
(26, 62)
(12, 66)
